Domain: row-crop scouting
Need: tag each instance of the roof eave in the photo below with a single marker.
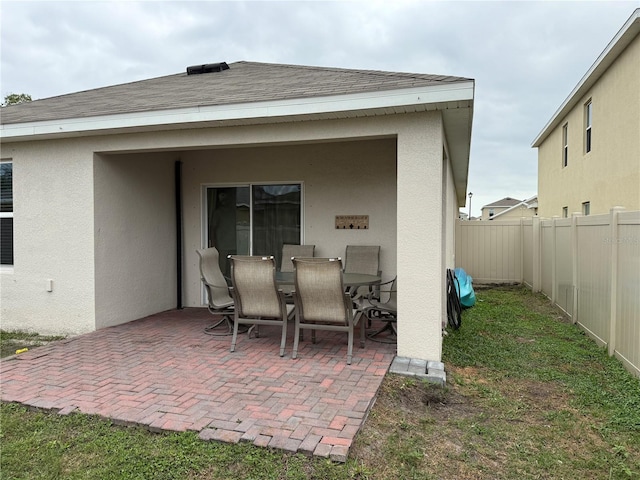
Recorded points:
(242, 113)
(623, 38)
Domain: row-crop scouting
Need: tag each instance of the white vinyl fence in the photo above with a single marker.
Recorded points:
(588, 266)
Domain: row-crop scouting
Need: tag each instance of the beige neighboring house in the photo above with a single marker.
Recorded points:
(589, 152)
(525, 209)
(490, 210)
(109, 192)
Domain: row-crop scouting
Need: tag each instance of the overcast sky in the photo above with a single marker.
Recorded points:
(525, 57)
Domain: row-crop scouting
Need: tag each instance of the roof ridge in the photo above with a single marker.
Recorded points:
(434, 76)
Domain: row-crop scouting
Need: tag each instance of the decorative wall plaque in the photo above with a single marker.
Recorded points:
(352, 222)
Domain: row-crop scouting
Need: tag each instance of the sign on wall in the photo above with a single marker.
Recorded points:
(352, 222)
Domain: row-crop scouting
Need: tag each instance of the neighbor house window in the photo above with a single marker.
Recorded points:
(6, 213)
(565, 212)
(586, 208)
(253, 219)
(565, 145)
(588, 113)
(492, 212)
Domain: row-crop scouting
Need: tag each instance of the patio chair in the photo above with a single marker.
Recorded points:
(258, 301)
(321, 302)
(219, 301)
(289, 251)
(385, 311)
(362, 259)
(286, 265)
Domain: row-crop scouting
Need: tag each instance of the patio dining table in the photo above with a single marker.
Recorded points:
(348, 279)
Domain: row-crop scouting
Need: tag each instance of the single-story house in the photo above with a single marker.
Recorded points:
(114, 189)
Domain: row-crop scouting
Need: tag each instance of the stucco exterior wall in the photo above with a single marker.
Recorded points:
(135, 236)
(98, 268)
(609, 175)
(53, 239)
(338, 178)
(420, 250)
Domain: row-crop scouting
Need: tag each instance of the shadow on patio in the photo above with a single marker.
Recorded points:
(164, 373)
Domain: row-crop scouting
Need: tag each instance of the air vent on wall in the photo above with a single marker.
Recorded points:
(208, 68)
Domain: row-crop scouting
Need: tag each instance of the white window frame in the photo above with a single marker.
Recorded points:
(8, 268)
(205, 212)
(565, 145)
(588, 120)
(565, 212)
(586, 208)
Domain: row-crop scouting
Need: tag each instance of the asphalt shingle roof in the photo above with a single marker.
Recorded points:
(243, 82)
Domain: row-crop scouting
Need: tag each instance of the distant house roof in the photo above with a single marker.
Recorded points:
(243, 82)
(529, 203)
(504, 203)
(623, 38)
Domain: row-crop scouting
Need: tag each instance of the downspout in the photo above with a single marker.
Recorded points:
(178, 191)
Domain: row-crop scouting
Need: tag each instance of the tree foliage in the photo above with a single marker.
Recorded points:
(15, 98)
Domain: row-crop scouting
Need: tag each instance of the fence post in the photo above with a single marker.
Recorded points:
(554, 281)
(574, 263)
(521, 250)
(613, 294)
(535, 248)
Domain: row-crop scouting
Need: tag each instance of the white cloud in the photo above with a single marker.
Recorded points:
(525, 56)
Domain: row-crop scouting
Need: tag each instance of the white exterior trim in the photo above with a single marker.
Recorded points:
(453, 92)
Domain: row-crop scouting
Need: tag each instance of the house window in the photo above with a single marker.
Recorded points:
(586, 208)
(565, 212)
(6, 213)
(565, 145)
(492, 212)
(588, 110)
(253, 219)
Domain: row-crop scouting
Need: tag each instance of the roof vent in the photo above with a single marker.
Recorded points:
(208, 68)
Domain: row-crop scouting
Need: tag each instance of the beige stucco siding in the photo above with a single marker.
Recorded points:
(609, 175)
(338, 178)
(135, 236)
(99, 210)
(53, 239)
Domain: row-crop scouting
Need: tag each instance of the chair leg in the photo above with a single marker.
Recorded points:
(362, 332)
(284, 337)
(235, 336)
(350, 345)
(296, 338)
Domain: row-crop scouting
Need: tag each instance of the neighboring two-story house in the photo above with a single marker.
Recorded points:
(589, 152)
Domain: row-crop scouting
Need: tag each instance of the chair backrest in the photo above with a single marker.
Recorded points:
(211, 276)
(362, 259)
(254, 283)
(320, 290)
(289, 251)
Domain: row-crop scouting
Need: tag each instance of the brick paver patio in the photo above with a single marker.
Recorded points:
(164, 373)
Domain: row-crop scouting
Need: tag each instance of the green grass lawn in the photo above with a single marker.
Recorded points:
(529, 396)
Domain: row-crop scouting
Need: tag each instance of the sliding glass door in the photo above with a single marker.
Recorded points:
(253, 219)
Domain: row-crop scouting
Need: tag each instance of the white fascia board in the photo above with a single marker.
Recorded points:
(452, 92)
(624, 37)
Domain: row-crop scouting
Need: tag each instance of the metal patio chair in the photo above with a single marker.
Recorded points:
(321, 302)
(219, 301)
(258, 301)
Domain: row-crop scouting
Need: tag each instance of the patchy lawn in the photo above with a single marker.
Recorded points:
(528, 396)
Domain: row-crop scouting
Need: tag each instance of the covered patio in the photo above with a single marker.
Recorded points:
(164, 373)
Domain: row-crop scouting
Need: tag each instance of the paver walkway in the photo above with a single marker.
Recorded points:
(164, 373)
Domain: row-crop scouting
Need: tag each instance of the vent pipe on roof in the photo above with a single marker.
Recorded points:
(207, 68)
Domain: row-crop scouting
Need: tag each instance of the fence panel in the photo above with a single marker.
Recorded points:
(588, 266)
(527, 252)
(627, 332)
(564, 266)
(490, 252)
(546, 256)
(594, 278)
